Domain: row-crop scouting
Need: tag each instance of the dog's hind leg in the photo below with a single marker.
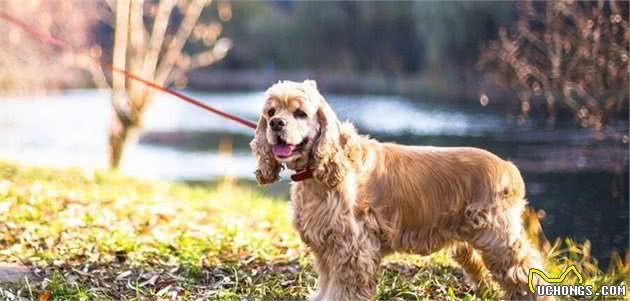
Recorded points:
(472, 263)
(507, 252)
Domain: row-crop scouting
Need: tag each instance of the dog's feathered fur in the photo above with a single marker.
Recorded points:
(368, 199)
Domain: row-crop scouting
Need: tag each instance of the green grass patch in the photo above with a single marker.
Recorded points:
(103, 236)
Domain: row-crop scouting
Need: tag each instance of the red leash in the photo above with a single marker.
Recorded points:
(43, 37)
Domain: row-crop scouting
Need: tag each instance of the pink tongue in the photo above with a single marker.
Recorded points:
(282, 150)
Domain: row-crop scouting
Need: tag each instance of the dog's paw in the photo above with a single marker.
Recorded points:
(317, 296)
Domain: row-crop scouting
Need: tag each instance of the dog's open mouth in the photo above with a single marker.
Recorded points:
(284, 150)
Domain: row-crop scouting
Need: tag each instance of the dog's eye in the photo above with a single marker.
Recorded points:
(271, 112)
(299, 114)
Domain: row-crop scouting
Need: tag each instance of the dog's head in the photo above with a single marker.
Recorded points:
(296, 128)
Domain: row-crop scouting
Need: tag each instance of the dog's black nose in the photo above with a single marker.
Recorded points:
(277, 124)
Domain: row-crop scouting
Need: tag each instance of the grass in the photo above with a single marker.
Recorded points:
(103, 236)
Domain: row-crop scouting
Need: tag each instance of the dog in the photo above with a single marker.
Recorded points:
(355, 199)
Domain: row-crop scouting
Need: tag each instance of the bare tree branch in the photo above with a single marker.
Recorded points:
(120, 57)
(193, 11)
(86, 61)
(111, 5)
(135, 55)
(160, 23)
(576, 52)
(202, 59)
(158, 33)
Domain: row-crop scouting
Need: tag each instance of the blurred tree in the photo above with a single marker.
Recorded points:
(453, 31)
(22, 56)
(337, 35)
(150, 41)
(566, 52)
(393, 37)
(361, 36)
(158, 55)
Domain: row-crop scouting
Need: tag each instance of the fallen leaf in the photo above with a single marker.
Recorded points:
(123, 275)
(164, 290)
(151, 281)
(44, 296)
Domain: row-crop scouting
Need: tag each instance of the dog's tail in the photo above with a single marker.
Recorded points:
(512, 183)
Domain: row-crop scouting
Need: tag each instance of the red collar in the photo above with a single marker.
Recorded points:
(302, 174)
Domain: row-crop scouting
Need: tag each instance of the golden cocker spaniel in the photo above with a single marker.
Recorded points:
(356, 200)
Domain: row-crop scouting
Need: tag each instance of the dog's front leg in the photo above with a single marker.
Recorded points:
(322, 281)
(352, 272)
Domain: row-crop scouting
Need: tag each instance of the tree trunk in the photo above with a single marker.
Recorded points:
(119, 137)
(119, 127)
(122, 133)
(138, 51)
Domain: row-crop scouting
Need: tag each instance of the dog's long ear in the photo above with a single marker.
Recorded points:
(329, 164)
(267, 167)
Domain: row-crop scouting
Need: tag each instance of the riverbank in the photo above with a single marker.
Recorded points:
(95, 235)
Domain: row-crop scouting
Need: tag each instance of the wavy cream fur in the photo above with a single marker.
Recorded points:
(369, 199)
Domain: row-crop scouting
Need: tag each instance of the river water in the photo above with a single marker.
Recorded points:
(579, 179)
